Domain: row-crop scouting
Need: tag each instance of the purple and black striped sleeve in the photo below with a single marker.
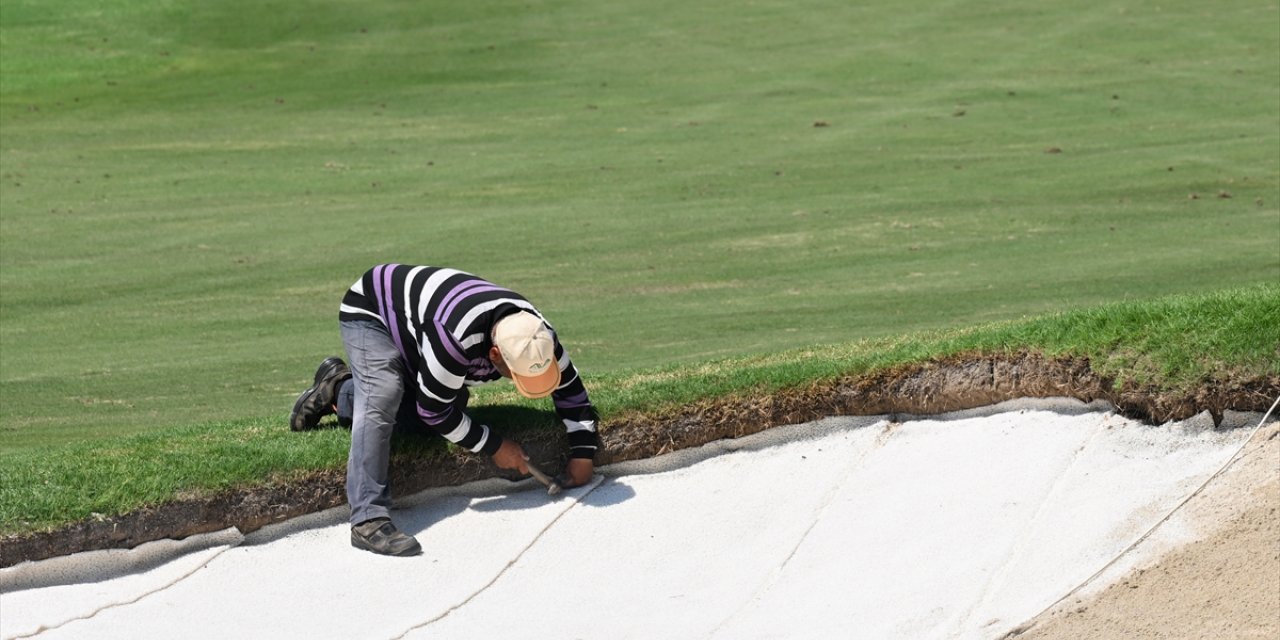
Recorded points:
(441, 397)
(575, 409)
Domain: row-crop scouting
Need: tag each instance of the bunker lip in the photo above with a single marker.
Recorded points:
(930, 388)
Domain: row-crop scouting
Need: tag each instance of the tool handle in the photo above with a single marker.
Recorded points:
(553, 487)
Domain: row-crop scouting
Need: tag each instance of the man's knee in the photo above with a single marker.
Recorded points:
(383, 392)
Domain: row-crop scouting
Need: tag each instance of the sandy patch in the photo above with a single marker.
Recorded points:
(1225, 583)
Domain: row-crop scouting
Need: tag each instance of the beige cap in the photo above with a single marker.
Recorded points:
(529, 350)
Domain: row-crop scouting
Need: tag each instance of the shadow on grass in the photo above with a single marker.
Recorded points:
(412, 436)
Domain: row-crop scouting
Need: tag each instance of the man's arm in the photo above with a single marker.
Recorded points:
(577, 473)
(440, 386)
(581, 422)
(449, 420)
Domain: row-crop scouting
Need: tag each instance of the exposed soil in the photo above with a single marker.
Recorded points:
(931, 388)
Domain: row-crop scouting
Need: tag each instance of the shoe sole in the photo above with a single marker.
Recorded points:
(295, 422)
(326, 369)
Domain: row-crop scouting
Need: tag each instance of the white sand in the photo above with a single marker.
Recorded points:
(960, 527)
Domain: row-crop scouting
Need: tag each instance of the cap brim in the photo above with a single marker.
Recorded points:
(539, 386)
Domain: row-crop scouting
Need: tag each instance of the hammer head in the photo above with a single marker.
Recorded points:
(553, 486)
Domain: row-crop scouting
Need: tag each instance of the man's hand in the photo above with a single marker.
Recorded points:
(511, 456)
(577, 473)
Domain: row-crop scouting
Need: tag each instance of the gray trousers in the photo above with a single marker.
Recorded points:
(379, 398)
(378, 377)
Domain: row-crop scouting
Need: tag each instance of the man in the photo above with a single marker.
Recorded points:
(417, 338)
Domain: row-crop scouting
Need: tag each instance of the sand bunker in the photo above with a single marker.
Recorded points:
(963, 526)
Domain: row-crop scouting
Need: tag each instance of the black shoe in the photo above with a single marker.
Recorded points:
(317, 401)
(380, 536)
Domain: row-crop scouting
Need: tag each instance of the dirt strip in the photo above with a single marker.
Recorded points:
(931, 388)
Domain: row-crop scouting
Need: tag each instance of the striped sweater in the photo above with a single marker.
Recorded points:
(441, 321)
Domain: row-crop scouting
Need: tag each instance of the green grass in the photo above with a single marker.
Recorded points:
(187, 188)
(1177, 344)
(1169, 344)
